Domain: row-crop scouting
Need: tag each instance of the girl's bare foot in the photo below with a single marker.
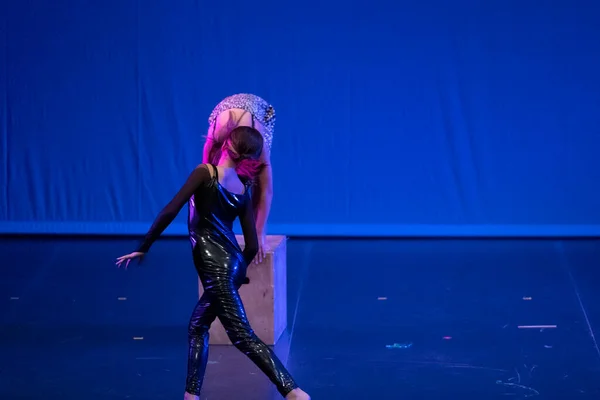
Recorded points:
(297, 394)
(188, 396)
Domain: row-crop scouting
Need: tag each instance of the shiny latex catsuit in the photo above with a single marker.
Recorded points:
(221, 266)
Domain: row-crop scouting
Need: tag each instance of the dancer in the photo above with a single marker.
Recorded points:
(246, 110)
(216, 196)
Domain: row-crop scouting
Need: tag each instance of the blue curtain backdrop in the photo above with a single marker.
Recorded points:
(427, 117)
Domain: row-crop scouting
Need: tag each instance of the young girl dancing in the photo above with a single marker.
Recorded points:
(216, 196)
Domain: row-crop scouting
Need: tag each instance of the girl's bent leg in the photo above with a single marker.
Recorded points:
(231, 313)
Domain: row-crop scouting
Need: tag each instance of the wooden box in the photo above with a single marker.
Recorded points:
(265, 297)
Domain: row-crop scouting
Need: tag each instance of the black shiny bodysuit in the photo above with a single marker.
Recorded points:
(221, 266)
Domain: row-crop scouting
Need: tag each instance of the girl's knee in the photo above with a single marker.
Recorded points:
(243, 339)
(197, 330)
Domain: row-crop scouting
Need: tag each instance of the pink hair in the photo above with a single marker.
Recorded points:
(249, 142)
(249, 169)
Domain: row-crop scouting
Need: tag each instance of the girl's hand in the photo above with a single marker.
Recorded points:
(262, 250)
(128, 257)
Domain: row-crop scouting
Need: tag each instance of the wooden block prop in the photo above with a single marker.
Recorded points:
(264, 297)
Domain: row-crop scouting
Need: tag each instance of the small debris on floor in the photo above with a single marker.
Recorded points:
(399, 346)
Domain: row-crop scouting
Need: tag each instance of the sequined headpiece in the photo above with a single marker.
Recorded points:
(255, 105)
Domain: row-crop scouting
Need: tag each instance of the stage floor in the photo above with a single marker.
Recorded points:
(368, 319)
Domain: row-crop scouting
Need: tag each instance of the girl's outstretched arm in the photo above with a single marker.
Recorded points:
(197, 178)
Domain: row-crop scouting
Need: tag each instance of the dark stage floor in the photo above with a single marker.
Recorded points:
(452, 307)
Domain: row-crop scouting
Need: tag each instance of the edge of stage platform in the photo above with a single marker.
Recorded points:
(312, 230)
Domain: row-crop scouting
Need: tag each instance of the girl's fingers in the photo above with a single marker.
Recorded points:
(126, 259)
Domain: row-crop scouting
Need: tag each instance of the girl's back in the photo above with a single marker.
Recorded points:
(217, 203)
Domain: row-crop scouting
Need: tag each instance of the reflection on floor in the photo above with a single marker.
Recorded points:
(368, 319)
